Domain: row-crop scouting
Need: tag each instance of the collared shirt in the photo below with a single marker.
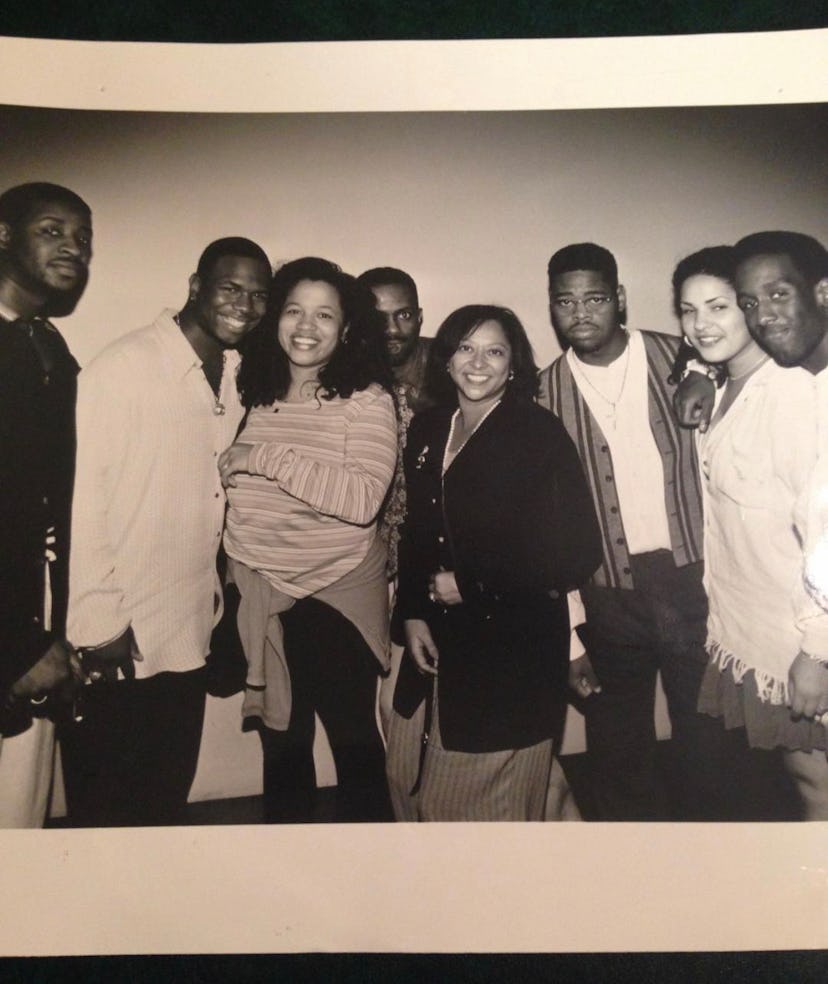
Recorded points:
(149, 505)
(756, 461)
(625, 424)
(811, 515)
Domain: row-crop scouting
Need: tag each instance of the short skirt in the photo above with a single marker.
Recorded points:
(766, 725)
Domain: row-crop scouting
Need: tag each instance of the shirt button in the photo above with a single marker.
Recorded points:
(620, 540)
(613, 509)
(36, 620)
(441, 539)
(217, 495)
(607, 478)
(626, 570)
(604, 448)
(45, 500)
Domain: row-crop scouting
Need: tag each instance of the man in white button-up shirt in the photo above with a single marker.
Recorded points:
(155, 410)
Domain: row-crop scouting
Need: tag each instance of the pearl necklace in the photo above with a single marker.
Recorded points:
(449, 456)
(762, 359)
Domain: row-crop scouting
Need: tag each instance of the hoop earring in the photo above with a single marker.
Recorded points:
(511, 375)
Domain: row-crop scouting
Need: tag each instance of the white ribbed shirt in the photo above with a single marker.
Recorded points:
(148, 506)
(636, 460)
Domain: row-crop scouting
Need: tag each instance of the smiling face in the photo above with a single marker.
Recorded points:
(403, 320)
(714, 324)
(310, 326)
(49, 252)
(230, 300)
(586, 313)
(787, 316)
(481, 364)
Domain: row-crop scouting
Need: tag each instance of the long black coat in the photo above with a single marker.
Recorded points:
(514, 520)
(37, 461)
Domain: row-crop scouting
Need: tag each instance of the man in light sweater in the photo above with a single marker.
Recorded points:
(155, 410)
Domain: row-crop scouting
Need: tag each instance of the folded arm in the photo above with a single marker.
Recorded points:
(351, 490)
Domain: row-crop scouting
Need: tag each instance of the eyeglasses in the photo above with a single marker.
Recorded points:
(595, 302)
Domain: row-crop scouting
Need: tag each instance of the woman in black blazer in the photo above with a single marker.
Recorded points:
(499, 526)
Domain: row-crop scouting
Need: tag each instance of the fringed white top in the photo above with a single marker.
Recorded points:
(755, 462)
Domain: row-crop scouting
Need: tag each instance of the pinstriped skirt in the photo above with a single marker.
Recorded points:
(504, 785)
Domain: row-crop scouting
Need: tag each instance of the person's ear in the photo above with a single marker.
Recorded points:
(195, 286)
(821, 293)
(621, 294)
(5, 236)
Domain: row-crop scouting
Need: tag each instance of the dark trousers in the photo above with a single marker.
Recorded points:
(132, 759)
(333, 674)
(660, 625)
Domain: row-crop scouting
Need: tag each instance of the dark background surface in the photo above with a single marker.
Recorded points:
(382, 20)
(186, 21)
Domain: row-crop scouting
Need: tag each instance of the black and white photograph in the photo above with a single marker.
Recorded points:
(371, 474)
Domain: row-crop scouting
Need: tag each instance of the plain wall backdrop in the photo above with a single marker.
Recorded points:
(472, 204)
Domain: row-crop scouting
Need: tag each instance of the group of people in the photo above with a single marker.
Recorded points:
(427, 526)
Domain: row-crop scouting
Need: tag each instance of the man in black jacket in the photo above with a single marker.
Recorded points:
(45, 249)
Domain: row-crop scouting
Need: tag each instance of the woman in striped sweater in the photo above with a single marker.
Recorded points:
(306, 479)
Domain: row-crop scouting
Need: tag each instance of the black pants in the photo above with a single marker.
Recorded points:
(132, 759)
(334, 674)
(660, 625)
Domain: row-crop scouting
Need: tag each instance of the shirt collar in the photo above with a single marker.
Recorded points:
(182, 356)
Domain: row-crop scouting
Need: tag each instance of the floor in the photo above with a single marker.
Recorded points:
(768, 795)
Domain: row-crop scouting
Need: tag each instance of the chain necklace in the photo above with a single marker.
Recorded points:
(762, 359)
(219, 408)
(612, 404)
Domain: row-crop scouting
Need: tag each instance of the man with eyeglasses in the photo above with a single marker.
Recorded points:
(45, 250)
(645, 607)
(155, 410)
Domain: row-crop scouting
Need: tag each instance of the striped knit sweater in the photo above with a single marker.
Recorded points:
(559, 392)
(305, 515)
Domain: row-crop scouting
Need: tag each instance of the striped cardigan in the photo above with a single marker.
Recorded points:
(682, 495)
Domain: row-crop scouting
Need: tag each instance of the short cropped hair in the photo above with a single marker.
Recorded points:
(712, 261)
(20, 202)
(461, 324)
(229, 246)
(380, 276)
(807, 254)
(584, 256)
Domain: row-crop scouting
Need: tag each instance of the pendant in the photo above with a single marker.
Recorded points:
(218, 409)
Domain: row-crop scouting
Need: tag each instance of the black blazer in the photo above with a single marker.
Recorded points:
(514, 520)
(37, 463)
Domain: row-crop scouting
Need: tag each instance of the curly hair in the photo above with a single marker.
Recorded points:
(461, 324)
(358, 360)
